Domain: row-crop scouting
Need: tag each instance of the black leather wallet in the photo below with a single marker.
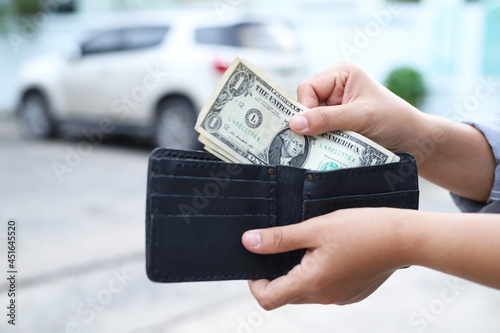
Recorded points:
(198, 207)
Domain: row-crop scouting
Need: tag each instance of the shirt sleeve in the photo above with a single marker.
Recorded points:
(491, 131)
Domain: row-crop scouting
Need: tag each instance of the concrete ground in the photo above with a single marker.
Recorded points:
(81, 260)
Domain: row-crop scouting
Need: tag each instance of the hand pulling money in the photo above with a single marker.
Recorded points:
(246, 121)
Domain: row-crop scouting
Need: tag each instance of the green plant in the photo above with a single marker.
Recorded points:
(12, 11)
(408, 84)
(26, 7)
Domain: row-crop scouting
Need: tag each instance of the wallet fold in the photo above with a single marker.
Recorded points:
(198, 207)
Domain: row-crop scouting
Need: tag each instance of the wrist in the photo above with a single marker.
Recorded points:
(453, 155)
(407, 237)
(421, 237)
(423, 136)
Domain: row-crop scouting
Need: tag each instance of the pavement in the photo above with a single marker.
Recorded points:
(79, 212)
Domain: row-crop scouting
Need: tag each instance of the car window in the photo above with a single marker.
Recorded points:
(138, 38)
(103, 42)
(124, 39)
(217, 35)
(269, 36)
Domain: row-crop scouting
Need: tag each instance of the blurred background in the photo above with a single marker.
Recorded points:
(88, 88)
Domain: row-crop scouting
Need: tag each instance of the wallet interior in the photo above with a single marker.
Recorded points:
(198, 207)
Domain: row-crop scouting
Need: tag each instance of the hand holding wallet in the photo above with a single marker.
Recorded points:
(198, 207)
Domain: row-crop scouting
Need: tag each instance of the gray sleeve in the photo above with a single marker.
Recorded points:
(491, 130)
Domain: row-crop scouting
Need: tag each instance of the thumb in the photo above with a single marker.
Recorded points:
(277, 239)
(325, 118)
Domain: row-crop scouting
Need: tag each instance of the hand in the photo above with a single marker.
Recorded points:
(345, 97)
(349, 254)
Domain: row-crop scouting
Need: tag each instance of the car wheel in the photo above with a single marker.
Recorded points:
(175, 123)
(34, 117)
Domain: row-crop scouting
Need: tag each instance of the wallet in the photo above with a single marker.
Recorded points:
(198, 207)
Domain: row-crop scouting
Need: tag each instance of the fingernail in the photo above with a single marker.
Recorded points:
(298, 122)
(252, 238)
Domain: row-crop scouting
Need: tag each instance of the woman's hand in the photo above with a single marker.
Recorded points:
(345, 97)
(452, 155)
(349, 254)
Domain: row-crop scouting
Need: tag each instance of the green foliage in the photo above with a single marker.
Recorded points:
(408, 84)
(4, 17)
(26, 7)
(14, 11)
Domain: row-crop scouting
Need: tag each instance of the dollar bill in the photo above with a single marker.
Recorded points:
(246, 120)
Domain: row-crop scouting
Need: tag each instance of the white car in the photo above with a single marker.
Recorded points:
(149, 77)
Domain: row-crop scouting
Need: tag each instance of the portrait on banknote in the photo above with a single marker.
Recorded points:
(288, 148)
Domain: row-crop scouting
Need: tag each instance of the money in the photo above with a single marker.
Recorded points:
(246, 121)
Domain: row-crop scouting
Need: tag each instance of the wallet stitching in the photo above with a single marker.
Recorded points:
(383, 197)
(351, 172)
(413, 193)
(272, 208)
(184, 155)
(153, 239)
(253, 275)
(183, 277)
(168, 154)
(416, 195)
(217, 166)
(212, 178)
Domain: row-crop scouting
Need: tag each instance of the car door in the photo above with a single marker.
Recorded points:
(89, 82)
(108, 80)
(141, 77)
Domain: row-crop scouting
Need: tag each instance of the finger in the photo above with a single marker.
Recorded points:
(325, 88)
(279, 239)
(281, 291)
(327, 118)
(345, 295)
(340, 298)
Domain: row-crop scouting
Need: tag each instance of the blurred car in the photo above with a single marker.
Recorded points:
(148, 77)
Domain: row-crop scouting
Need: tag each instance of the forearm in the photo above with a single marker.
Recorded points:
(351, 252)
(464, 245)
(453, 155)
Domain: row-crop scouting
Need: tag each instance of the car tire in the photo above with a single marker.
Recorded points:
(34, 117)
(175, 123)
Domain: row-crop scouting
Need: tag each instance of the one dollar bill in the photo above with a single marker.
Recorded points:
(246, 120)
